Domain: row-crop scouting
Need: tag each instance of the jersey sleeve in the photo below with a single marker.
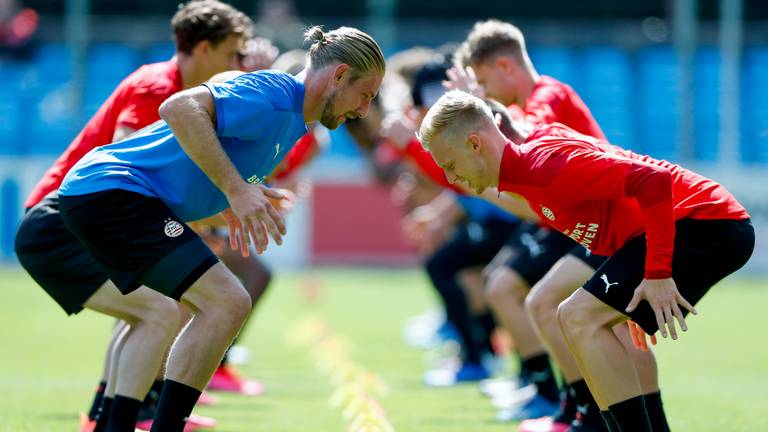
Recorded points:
(243, 109)
(593, 175)
(141, 109)
(545, 106)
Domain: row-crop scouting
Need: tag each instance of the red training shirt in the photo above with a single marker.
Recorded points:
(133, 104)
(555, 102)
(601, 195)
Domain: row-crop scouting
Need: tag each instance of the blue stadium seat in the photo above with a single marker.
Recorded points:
(109, 63)
(10, 126)
(606, 87)
(706, 109)
(159, 52)
(52, 63)
(657, 93)
(49, 119)
(754, 110)
(556, 62)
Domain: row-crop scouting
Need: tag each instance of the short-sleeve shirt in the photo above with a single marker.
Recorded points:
(133, 104)
(555, 102)
(259, 117)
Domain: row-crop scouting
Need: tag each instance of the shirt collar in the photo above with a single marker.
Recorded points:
(508, 169)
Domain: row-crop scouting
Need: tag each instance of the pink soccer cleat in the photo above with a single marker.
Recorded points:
(226, 379)
(195, 422)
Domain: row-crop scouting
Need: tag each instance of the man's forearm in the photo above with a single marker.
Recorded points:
(190, 115)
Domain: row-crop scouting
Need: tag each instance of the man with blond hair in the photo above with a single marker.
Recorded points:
(129, 202)
(493, 61)
(670, 234)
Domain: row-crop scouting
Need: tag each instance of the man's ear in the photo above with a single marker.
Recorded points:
(505, 63)
(339, 72)
(202, 47)
(474, 142)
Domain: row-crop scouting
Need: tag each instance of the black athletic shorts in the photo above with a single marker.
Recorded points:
(55, 258)
(585, 255)
(533, 250)
(705, 252)
(137, 240)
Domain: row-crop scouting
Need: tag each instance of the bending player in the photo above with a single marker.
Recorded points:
(343, 76)
(670, 234)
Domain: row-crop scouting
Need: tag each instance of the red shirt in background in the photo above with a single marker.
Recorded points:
(601, 195)
(133, 104)
(554, 102)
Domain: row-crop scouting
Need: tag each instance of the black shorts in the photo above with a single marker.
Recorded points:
(705, 252)
(533, 250)
(137, 240)
(55, 258)
(587, 257)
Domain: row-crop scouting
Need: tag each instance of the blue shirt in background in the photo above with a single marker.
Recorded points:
(480, 210)
(259, 117)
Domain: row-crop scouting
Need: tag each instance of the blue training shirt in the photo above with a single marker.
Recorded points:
(259, 117)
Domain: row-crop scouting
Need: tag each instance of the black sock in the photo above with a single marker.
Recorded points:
(655, 409)
(102, 417)
(631, 415)
(176, 403)
(149, 404)
(540, 373)
(97, 398)
(123, 414)
(567, 411)
(586, 406)
(609, 421)
(487, 325)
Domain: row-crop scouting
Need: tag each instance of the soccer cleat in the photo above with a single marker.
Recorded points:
(225, 379)
(514, 399)
(500, 386)
(543, 424)
(194, 423)
(86, 424)
(534, 408)
(468, 372)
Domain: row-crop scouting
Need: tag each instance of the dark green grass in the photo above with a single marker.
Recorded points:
(715, 378)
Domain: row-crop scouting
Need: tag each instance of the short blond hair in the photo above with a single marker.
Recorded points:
(491, 38)
(456, 113)
(344, 45)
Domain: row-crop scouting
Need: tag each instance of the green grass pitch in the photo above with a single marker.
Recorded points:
(715, 378)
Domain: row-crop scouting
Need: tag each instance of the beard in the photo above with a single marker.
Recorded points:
(327, 118)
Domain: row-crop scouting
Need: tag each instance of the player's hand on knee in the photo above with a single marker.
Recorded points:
(639, 336)
(665, 300)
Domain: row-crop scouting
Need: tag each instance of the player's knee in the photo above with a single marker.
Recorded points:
(163, 315)
(540, 307)
(503, 284)
(573, 318)
(233, 303)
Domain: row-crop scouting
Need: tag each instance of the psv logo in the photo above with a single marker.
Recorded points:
(548, 213)
(173, 228)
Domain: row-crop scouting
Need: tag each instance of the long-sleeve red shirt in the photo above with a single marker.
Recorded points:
(601, 195)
